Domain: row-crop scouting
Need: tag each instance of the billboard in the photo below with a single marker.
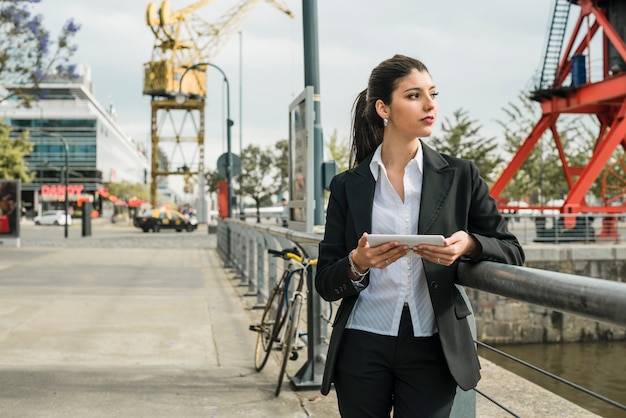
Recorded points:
(301, 176)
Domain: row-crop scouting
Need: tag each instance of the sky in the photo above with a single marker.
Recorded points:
(481, 56)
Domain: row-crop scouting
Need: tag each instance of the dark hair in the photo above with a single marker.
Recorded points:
(367, 125)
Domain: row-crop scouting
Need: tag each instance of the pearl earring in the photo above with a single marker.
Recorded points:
(385, 122)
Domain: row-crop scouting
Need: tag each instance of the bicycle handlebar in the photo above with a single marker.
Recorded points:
(291, 254)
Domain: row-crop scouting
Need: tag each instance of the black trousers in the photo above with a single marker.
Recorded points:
(376, 374)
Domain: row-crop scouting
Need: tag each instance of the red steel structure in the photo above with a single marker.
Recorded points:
(606, 99)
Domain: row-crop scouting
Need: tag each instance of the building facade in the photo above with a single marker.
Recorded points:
(99, 152)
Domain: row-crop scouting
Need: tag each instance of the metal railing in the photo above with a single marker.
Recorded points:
(243, 246)
(553, 227)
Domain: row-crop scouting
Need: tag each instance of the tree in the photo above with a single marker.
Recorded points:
(282, 164)
(125, 190)
(259, 176)
(28, 56)
(462, 138)
(12, 152)
(212, 178)
(340, 152)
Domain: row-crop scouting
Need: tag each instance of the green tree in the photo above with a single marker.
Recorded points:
(282, 164)
(339, 152)
(259, 177)
(12, 152)
(125, 190)
(212, 178)
(28, 56)
(462, 138)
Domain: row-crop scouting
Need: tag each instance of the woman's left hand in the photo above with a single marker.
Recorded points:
(458, 244)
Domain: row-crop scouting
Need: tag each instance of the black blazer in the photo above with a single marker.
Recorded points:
(454, 198)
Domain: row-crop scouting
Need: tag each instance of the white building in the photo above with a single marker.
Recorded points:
(99, 152)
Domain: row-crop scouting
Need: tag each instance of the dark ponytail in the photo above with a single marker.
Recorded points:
(365, 136)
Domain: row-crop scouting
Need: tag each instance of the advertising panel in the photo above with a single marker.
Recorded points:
(301, 180)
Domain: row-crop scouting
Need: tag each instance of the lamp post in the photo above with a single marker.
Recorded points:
(180, 99)
(66, 177)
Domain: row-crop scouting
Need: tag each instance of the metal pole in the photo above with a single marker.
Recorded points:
(309, 375)
(312, 78)
(67, 175)
(240, 114)
(229, 125)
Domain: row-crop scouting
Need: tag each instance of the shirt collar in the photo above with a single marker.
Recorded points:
(377, 163)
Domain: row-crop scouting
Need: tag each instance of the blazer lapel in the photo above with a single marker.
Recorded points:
(360, 187)
(436, 183)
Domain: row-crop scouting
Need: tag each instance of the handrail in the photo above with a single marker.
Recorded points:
(598, 299)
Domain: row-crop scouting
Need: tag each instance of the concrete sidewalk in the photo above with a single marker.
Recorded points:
(87, 332)
(159, 332)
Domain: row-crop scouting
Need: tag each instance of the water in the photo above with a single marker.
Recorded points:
(599, 367)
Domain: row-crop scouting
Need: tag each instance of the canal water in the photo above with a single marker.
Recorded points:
(599, 367)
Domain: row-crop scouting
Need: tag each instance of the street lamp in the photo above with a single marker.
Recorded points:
(67, 174)
(181, 98)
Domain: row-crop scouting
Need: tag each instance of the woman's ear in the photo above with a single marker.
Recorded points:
(382, 109)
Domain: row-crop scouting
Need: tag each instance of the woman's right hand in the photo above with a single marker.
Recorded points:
(379, 257)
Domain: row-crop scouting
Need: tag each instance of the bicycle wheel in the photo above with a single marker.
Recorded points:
(271, 321)
(289, 341)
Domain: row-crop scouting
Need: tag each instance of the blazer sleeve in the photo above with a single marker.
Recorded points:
(489, 227)
(332, 280)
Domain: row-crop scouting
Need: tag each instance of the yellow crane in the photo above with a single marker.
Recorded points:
(183, 39)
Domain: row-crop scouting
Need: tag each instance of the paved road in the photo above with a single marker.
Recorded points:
(124, 323)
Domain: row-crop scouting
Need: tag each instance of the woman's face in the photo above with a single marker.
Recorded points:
(413, 108)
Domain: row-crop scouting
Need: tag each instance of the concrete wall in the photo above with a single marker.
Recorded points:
(500, 320)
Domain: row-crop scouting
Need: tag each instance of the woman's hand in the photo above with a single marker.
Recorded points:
(379, 257)
(456, 245)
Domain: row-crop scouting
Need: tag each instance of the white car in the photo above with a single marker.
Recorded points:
(52, 217)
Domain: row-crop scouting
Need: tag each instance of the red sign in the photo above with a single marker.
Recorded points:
(59, 190)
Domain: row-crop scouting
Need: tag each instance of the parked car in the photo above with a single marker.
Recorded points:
(52, 217)
(162, 218)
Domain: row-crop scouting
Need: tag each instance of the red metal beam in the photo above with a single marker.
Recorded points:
(609, 92)
(521, 155)
(601, 155)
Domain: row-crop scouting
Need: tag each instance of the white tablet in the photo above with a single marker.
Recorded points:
(410, 240)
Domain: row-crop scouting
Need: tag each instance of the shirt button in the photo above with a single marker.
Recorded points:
(434, 285)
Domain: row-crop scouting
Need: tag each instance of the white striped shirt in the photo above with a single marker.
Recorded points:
(379, 306)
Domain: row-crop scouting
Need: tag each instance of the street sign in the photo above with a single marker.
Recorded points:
(222, 163)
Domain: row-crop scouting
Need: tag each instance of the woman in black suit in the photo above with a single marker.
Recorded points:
(400, 337)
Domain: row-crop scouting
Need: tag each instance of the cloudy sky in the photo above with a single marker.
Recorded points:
(481, 56)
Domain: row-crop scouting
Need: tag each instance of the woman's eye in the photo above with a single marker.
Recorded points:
(434, 95)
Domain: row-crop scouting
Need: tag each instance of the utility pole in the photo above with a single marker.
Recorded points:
(309, 375)
(312, 78)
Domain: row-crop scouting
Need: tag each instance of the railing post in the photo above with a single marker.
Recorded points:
(256, 263)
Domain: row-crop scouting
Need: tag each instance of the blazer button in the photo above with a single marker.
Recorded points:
(434, 285)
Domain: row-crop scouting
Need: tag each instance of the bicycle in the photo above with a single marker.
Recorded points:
(281, 315)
